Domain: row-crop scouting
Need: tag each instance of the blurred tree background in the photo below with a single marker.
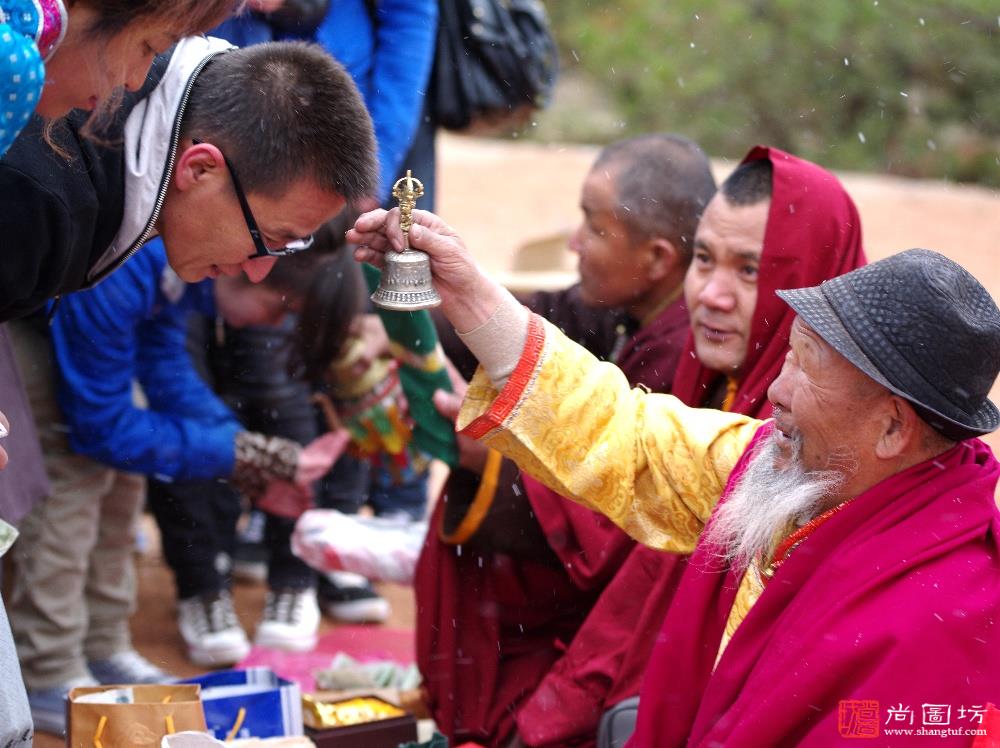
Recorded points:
(900, 86)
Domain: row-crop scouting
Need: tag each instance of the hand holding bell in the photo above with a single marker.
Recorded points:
(405, 284)
(469, 295)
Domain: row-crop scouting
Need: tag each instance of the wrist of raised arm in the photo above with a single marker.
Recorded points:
(473, 303)
(498, 340)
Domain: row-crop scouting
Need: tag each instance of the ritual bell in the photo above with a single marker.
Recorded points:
(405, 285)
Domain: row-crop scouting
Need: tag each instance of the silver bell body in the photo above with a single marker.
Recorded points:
(405, 285)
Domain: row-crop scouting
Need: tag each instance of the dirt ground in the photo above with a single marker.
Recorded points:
(514, 203)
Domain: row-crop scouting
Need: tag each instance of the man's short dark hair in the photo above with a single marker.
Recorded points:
(282, 112)
(750, 183)
(664, 181)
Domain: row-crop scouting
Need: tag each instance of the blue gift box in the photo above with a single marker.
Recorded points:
(271, 706)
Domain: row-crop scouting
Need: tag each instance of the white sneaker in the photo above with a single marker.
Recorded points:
(350, 597)
(211, 630)
(127, 667)
(290, 621)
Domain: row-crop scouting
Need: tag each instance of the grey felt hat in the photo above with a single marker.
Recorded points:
(920, 325)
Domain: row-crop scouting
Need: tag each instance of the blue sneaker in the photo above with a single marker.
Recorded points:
(48, 705)
(127, 668)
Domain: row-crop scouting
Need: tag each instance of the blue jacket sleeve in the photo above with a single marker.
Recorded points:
(99, 338)
(168, 377)
(391, 66)
(405, 40)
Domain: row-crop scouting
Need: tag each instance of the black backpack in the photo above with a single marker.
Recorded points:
(496, 62)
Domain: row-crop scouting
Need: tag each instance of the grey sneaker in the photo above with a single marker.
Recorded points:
(48, 705)
(290, 621)
(211, 630)
(127, 668)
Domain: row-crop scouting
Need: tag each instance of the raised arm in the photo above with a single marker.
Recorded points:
(653, 466)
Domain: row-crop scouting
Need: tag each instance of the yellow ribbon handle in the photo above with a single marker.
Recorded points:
(240, 716)
(169, 720)
(100, 731)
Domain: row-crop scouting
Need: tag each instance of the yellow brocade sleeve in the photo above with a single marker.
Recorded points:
(652, 465)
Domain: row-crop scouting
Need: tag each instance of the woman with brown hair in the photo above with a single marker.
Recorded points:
(58, 56)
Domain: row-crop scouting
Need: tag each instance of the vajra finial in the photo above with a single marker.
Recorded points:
(406, 190)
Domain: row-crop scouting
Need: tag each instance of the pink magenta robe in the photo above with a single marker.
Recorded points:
(895, 600)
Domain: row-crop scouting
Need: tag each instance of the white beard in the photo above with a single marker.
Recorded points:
(767, 500)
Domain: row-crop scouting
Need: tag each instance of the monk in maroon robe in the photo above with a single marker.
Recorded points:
(497, 606)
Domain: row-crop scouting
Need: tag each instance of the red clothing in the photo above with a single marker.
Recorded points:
(490, 626)
(813, 233)
(892, 601)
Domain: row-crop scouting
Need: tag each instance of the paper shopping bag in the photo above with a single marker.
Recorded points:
(204, 740)
(135, 716)
(251, 703)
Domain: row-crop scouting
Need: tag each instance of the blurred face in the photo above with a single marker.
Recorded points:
(612, 269)
(87, 68)
(243, 305)
(721, 284)
(205, 232)
(826, 403)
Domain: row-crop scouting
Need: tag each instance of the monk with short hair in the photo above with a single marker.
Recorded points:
(510, 568)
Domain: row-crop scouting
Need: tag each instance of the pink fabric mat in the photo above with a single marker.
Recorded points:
(361, 642)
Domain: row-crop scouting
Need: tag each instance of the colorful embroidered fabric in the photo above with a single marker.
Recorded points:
(30, 31)
(414, 343)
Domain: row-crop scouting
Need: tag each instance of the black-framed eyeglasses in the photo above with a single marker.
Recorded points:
(258, 242)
